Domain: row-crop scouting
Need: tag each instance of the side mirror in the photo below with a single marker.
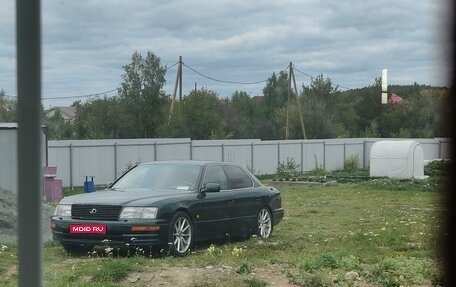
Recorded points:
(210, 187)
(108, 185)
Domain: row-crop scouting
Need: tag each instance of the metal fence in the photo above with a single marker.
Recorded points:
(108, 159)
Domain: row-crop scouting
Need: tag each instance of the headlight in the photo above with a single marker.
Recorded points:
(63, 210)
(139, 212)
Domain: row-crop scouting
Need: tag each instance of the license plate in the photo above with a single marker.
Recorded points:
(87, 229)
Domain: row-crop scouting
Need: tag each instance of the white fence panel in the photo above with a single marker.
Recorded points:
(107, 159)
(445, 149)
(207, 152)
(313, 155)
(60, 157)
(93, 161)
(355, 149)
(265, 159)
(334, 156)
(240, 154)
(173, 151)
(290, 151)
(128, 155)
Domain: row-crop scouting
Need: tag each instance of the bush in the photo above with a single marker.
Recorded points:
(437, 168)
(288, 169)
(351, 164)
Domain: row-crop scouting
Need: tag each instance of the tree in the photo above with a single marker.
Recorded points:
(323, 109)
(58, 128)
(100, 118)
(7, 108)
(266, 118)
(141, 96)
(367, 107)
(276, 91)
(201, 114)
(238, 114)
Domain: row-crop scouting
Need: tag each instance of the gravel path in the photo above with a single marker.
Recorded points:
(8, 218)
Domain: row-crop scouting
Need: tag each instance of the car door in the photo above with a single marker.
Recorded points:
(214, 210)
(246, 199)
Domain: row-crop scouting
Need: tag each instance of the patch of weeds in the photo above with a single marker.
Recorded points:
(404, 271)
(214, 251)
(350, 263)
(429, 184)
(306, 279)
(255, 282)
(323, 260)
(245, 268)
(113, 270)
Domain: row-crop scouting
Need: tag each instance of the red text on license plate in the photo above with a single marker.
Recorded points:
(88, 229)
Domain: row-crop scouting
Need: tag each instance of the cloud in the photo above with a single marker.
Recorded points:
(86, 42)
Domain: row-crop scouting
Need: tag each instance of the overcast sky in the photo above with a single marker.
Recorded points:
(86, 42)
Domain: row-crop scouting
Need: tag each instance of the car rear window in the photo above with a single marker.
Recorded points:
(237, 177)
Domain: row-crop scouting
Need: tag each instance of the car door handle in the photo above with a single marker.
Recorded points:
(258, 198)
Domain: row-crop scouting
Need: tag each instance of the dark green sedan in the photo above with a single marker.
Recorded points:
(170, 204)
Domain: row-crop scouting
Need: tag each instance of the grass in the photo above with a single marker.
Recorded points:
(380, 233)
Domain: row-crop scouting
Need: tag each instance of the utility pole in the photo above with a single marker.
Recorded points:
(178, 82)
(179, 70)
(301, 117)
(288, 101)
(290, 90)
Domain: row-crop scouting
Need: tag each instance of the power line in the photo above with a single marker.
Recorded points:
(305, 74)
(83, 96)
(166, 69)
(70, 97)
(312, 77)
(226, 81)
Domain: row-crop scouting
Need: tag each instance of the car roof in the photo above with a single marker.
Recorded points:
(187, 162)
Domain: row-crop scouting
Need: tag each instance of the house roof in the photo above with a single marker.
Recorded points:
(67, 113)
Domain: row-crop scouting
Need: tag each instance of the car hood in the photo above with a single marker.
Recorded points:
(128, 196)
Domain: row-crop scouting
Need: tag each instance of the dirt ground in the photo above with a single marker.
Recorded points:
(185, 276)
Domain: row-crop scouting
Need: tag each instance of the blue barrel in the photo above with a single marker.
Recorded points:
(89, 186)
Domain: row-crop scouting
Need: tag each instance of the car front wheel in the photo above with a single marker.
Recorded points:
(264, 223)
(180, 234)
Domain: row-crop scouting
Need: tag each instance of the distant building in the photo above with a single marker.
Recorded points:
(257, 99)
(68, 113)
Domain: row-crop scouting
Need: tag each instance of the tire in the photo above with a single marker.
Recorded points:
(77, 249)
(264, 223)
(180, 234)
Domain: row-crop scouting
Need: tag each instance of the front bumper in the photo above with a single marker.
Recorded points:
(118, 233)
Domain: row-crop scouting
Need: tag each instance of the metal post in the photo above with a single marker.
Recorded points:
(71, 166)
(115, 161)
(28, 37)
(223, 152)
(345, 157)
(251, 156)
(278, 155)
(302, 156)
(191, 150)
(155, 151)
(324, 154)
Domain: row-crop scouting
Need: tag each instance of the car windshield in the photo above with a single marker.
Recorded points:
(161, 176)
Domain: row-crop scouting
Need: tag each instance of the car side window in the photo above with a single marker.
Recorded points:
(237, 177)
(215, 174)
